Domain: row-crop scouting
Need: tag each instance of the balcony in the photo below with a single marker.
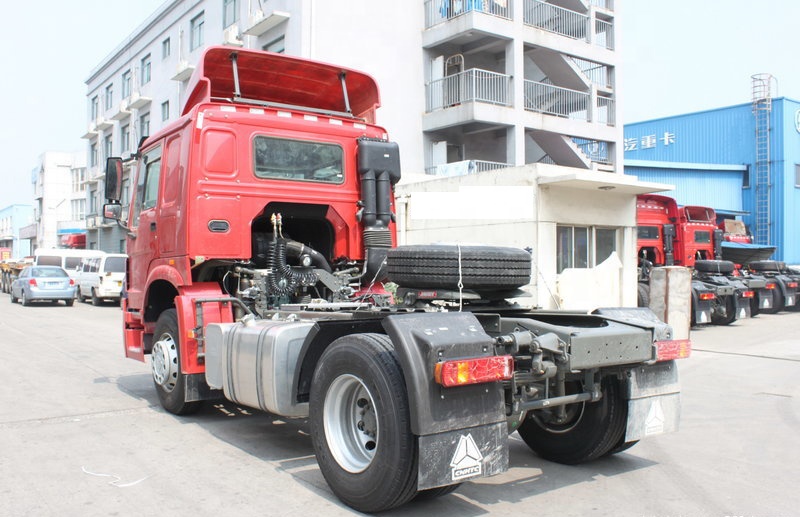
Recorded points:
(554, 100)
(122, 112)
(465, 167)
(596, 28)
(138, 101)
(473, 85)
(261, 23)
(440, 11)
(183, 71)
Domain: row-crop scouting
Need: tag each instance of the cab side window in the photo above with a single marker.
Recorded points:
(147, 186)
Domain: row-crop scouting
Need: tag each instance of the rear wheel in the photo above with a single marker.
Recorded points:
(95, 300)
(24, 299)
(166, 366)
(70, 302)
(586, 432)
(725, 312)
(360, 424)
(643, 296)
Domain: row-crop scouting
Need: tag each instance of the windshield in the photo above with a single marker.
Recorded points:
(278, 158)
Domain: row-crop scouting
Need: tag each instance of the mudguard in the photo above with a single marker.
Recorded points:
(423, 339)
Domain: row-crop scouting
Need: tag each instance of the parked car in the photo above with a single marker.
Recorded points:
(100, 278)
(69, 259)
(43, 283)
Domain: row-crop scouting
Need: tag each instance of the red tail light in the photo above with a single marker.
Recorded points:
(772, 285)
(673, 349)
(32, 282)
(71, 282)
(707, 296)
(748, 294)
(461, 372)
(791, 284)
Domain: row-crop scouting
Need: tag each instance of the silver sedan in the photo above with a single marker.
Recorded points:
(43, 283)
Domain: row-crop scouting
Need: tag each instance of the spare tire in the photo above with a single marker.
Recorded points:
(714, 266)
(437, 266)
(767, 265)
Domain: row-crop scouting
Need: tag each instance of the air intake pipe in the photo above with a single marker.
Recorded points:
(379, 169)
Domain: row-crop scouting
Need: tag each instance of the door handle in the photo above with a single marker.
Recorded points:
(152, 226)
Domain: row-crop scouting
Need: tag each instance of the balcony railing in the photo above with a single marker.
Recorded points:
(596, 151)
(473, 85)
(439, 11)
(566, 103)
(565, 22)
(465, 167)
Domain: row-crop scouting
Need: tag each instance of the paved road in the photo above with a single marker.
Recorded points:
(81, 433)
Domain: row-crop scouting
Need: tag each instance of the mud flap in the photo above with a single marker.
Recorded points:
(456, 456)
(654, 404)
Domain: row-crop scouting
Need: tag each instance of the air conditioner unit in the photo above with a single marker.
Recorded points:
(230, 36)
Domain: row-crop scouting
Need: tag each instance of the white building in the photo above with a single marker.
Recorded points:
(59, 198)
(469, 88)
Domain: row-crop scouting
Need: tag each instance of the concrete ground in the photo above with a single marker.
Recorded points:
(81, 433)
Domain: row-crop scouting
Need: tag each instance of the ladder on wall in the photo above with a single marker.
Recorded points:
(762, 111)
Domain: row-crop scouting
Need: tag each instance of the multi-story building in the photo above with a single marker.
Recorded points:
(59, 200)
(469, 87)
(12, 220)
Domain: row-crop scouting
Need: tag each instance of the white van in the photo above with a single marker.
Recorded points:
(100, 278)
(69, 259)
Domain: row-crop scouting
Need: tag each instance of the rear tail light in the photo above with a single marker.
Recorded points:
(748, 294)
(461, 372)
(32, 282)
(71, 282)
(707, 296)
(772, 285)
(791, 284)
(673, 349)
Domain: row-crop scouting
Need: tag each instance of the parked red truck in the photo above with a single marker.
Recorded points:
(672, 235)
(261, 236)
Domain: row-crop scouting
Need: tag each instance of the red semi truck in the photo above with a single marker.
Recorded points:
(261, 236)
(672, 235)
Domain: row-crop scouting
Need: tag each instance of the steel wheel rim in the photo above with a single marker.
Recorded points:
(164, 358)
(351, 423)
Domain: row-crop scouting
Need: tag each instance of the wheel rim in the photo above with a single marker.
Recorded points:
(351, 424)
(164, 358)
(547, 418)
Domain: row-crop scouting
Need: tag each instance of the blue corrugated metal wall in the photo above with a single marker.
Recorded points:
(706, 155)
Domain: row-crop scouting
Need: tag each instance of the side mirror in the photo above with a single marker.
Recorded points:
(113, 180)
(112, 211)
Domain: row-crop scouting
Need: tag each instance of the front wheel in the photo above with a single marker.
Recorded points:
(583, 432)
(360, 424)
(166, 366)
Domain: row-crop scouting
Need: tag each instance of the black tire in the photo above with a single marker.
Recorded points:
(24, 299)
(621, 446)
(166, 366)
(70, 302)
(755, 310)
(14, 299)
(715, 266)
(643, 296)
(779, 300)
(591, 430)
(730, 311)
(766, 265)
(95, 300)
(437, 266)
(360, 424)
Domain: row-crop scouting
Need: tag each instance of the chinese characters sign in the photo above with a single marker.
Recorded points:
(648, 141)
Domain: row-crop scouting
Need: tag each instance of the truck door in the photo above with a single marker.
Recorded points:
(143, 239)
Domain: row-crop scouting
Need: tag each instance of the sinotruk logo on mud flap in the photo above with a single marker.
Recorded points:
(466, 462)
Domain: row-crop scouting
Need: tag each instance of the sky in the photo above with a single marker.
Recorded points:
(677, 57)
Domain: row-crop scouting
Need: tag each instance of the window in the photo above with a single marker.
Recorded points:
(196, 31)
(149, 185)
(126, 84)
(94, 109)
(144, 125)
(583, 246)
(93, 157)
(230, 13)
(277, 45)
(125, 135)
(165, 110)
(126, 191)
(647, 232)
(746, 178)
(107, 146)
(702, 237)
(93, 201)
(109, 96)
(166, 48)
(145, 70)
(278, 158)
(78, 209)
(78, 177)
